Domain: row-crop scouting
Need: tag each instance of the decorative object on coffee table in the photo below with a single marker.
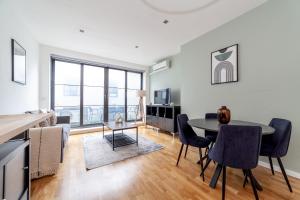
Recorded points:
(223, 115)
(224, 65)
(18, 60)
(118, 118)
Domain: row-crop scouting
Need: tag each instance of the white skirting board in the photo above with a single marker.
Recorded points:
(277, 169)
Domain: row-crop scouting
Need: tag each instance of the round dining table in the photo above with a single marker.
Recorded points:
(214, 125)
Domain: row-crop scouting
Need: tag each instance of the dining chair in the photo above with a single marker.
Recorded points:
(237, 147)
(188, 137)
(276, 145)
(211, 135)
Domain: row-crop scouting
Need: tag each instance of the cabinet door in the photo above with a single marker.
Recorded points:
(15, 177)
(169, 125)
(162, 123)
(155, 121)
(149, 120)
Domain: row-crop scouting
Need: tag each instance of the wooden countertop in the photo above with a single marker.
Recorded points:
(13, 125)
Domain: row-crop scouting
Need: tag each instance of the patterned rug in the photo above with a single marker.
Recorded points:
(98, 151)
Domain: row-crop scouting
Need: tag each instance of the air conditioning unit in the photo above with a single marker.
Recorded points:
(161, 66)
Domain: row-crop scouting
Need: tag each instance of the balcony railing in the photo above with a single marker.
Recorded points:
(94, 114)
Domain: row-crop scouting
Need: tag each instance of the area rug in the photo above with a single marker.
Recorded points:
(98, 152)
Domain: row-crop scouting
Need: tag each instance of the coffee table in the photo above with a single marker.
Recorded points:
(120, 139)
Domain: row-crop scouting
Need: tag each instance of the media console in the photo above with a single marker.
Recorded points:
(162, 117)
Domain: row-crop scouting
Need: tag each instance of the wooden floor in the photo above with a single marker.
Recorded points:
(151, 176)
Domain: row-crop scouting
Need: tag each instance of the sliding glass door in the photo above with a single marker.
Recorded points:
(67, 91)
(134, 83)
(116, 93)
(91, 94)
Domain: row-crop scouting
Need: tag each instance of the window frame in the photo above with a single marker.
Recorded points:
(106, 68)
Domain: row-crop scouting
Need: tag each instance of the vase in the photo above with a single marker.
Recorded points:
(118, 118)
(224, 115)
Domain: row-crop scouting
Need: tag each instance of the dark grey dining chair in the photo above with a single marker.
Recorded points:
(237, 147)
(276, 145)
(188, 137)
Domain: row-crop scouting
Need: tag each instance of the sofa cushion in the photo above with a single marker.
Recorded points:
(44, 123)
(53, 118)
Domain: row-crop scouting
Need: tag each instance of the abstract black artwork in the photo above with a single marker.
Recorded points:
(224, 65)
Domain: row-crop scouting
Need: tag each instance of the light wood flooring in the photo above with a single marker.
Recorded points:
(151, 176)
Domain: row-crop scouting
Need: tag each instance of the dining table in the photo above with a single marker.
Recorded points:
(214, 125)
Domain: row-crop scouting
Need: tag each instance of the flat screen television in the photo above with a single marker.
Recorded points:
(162, 96)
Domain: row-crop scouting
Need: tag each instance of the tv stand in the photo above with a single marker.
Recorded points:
(163, 117)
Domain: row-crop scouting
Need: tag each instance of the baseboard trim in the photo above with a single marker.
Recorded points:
(277, 169)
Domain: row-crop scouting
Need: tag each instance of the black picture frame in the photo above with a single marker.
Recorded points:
(232, 78)
(18, 63)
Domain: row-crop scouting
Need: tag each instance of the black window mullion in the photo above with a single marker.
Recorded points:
(126, 96)
(81, 94)
(105, 109)
(142, 81)
(52, 84)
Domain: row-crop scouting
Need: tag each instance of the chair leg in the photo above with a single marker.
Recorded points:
(179, 154)
(284, 174)
(211, 145)
(215, 177)
(186, 149)
(253, 184)
(205, 166)
(223, 183)
(246, 178)
(201, 162)
(271, 164)
(206, 150)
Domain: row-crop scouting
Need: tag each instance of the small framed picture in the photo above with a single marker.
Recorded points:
(18, 60)
(224, 65)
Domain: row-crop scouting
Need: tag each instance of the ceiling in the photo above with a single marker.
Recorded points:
(113, 28)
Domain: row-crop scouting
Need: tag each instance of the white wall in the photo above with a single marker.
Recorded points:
(47, 51)
(16, 98)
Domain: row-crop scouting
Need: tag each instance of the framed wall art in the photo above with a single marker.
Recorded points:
(18, 60)
(224, 65)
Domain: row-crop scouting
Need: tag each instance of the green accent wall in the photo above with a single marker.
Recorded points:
(269, 70)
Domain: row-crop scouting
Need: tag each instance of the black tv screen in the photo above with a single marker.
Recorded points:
(162, 96)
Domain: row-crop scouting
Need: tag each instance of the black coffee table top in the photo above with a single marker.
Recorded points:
(214, 125)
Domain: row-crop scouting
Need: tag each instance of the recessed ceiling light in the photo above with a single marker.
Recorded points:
(166, 21)
(81, 30)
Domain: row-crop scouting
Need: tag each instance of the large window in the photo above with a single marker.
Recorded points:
(116, 93)
(134, 83)
(92, 94)
(67, 90)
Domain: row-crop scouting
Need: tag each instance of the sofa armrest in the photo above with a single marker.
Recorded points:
(63, 120)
